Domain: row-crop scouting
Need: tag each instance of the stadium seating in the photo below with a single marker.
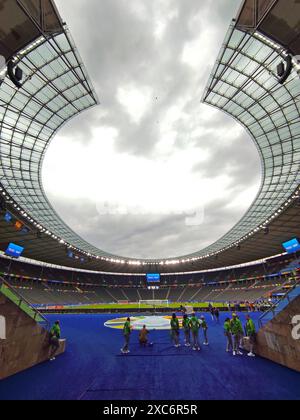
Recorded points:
(40, 293)
(53, 286)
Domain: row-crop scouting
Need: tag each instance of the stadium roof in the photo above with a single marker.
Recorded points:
(243, 83)
(22, 22)
(261, 245)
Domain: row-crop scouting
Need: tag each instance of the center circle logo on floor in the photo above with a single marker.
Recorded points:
(137, 322)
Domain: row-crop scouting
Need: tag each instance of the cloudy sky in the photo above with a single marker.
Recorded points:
(151, 172)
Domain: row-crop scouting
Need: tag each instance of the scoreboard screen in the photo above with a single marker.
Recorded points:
(292, 246)
(153, 278)
(14, 250)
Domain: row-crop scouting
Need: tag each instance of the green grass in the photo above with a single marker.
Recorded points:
(7, 292)
(200, 305)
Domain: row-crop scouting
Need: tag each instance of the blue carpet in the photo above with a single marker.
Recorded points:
(93, 369)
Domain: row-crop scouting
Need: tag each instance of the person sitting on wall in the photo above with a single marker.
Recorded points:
(55, 334)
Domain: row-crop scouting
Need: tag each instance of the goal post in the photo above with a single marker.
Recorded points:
(189, 310)
(154, 303)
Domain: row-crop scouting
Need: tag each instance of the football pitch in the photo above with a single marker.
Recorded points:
(131, 306)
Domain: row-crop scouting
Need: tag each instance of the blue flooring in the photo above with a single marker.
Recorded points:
(93, 369)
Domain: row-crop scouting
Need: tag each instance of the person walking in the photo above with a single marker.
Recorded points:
(195, 325)
(217, 315)
(251, 333)
(237, 332)
(126, 332)
(204, 328)
(212, 312)
(187, 330)
(175, 330)
(228, 335)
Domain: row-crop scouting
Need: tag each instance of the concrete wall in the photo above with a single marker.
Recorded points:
(275, 341)
(26, 343)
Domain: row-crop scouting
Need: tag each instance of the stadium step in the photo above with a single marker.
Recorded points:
(277, 339)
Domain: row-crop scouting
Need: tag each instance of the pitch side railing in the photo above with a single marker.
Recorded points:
(274, 310)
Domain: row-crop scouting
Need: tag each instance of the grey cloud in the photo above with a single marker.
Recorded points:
(118, 49)
(146, 236)
(239, 160)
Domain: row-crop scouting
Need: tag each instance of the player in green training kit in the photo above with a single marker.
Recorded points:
(237, 332)
(187, 330)
(175, 330)
(195, 325)
(204, 328)
(228, 335)
(251, 333)
(55, 334)
(126, 332)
